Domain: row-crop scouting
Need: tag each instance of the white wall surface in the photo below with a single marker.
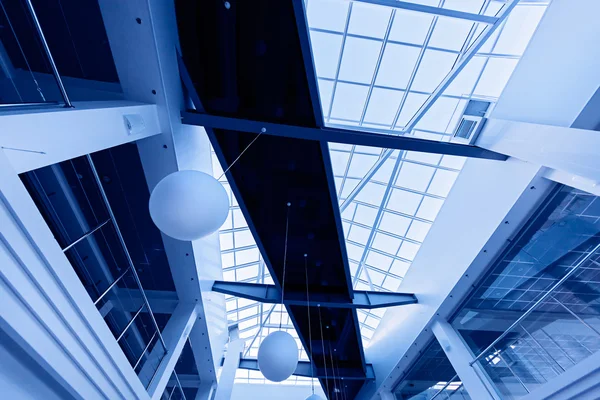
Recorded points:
(22, 379)
(245, 391)
(560, 70)
(36, 138)
(45, 309)
(469, 230)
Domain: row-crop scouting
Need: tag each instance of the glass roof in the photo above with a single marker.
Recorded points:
(375, 67)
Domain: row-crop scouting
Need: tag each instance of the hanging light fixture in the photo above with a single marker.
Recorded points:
(278, 353)
(188, 205)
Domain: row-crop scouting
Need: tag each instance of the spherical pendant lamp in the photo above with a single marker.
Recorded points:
(188, 205)
(314, 397)
(278, 356)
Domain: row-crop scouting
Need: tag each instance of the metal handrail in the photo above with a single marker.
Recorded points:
(130, 322)
(145, 350)
(120, 236)
(445, 386)
(40, 32)
(179, 384)
(537, 303)
(86, 235)
(111, 286)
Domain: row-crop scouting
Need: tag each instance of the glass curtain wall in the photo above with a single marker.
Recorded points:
(75, 34)
(537, 313)
(114, 264)
(431, 377)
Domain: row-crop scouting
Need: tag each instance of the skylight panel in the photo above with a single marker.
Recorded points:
(414, 176)
(413, 102)
(410, 27)
(328, 14)
(450, 33)
(383, 105)
(326, 49)
(369, 20)
(359, 60)
(440, 116)
(348, 101)
(433, 68)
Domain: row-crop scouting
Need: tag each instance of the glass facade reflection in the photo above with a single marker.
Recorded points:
(552, 275)
(431, 377)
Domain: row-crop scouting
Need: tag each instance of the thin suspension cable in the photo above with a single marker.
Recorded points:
(287, 224)
(333, 372)
(312, 371)
(323, 345)
(341, 380)
(242, 153)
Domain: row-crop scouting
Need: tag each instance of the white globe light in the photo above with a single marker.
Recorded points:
(314, 397)
(278, 356)
(188, 205)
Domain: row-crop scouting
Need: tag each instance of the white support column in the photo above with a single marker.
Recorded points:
(145, 56)
(36, 138)
(567, 150)
(45, 309)
(175, 335)
(230, 366)
(460, 357)
(387, 395)
(205, 391)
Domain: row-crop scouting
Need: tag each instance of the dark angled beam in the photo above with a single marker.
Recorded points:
(270, 294)
(444, 12)
(339, 136)
(304, 369)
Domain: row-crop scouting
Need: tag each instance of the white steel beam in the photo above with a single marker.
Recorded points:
(459, 356)
(230, 366)
(175, 335)
(568, 150)
(143, 38)
(36, 138)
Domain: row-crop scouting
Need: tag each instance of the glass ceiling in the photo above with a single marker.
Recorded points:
(375, 67)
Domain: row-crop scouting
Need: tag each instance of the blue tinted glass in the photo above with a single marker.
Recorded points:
(551, 273)
(432, 376)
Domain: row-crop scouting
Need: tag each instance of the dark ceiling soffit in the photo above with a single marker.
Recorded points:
(304, 369)
(309, 65)
(271, 295)
(344, 136)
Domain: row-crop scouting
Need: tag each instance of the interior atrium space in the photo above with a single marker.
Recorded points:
(299, 199)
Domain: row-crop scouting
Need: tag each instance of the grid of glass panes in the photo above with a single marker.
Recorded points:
(375, 67)
(386, 222)
(431, 376)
